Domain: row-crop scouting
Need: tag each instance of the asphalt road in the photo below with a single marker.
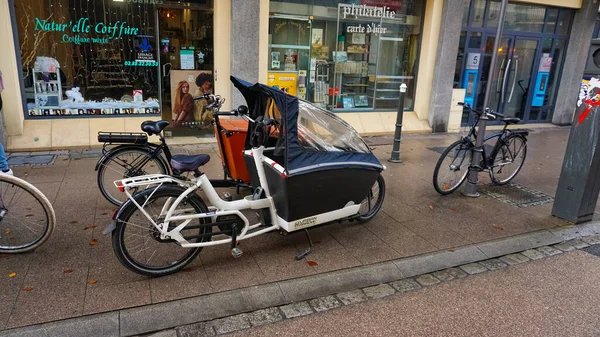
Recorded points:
(556, 296)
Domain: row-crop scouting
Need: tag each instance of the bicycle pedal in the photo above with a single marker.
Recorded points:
(236, 252)
(226, 196)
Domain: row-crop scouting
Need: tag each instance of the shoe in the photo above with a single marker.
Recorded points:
(9, 172)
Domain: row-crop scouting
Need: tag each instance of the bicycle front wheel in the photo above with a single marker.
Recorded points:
(508, 160)
(26, 216)
(138, 244)
(125, 163)
(452, 168)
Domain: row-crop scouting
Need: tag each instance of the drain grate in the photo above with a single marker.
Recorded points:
(33, 160)
(516, 195)
(594, 250)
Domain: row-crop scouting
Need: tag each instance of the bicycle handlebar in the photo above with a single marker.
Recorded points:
(487, 112)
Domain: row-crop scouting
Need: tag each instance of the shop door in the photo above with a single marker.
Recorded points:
(185, 36)
(514, 75)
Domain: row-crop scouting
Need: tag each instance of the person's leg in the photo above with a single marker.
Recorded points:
(3, 161)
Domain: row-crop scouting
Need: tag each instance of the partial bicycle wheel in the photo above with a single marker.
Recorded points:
(373, 202)
(27, 218)
(453, 166)
(137, 243)
(508, 160)
(125, 163)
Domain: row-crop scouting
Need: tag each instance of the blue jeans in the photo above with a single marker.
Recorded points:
(3, 161)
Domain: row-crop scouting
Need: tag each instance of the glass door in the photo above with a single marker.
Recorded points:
(514, 73)
(501, 72)
(517, 96)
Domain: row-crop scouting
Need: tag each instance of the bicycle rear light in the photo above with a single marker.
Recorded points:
(120, 187)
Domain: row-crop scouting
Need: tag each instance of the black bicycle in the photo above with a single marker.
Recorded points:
(503, 163)
(129, 154)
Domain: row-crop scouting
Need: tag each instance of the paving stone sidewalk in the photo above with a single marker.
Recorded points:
(70, 277)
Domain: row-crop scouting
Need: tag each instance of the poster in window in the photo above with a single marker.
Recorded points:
(348, 102)
(185, 111)
(284, 81)
(361, 101)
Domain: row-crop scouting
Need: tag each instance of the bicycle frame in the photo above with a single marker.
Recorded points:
(220, 206)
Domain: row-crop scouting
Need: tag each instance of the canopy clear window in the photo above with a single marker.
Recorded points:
(320, 130)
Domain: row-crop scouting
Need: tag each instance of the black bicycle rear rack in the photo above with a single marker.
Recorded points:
(122, 137)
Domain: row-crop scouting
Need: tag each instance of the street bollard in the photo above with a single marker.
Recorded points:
(395, 158)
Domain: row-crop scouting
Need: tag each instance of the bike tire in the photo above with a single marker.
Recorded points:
(373, 210)
(502, 150)
(147, 197)
(106, 184)
(20, 198)
(464, 163)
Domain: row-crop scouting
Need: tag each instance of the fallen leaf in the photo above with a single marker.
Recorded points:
(451, 250)
(312, 263)
(446, 187)
(91, 281)
(12, 274)
(93, 242)
(187, 269)
(89, 227)
(431, 207)
(7, 231)
(453, 209)
(27, 288)
(67, 271)
(499, 228)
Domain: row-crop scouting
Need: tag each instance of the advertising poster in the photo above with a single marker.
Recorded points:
(285, 81)
(185, 85)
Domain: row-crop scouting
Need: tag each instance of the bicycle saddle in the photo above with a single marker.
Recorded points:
(511, 120)
(184, 162)
(151, 127)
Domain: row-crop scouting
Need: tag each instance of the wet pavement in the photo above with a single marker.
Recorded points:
(75, 272)
(556, 296)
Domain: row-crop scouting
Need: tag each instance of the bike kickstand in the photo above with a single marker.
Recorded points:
(235, 251)
(307, 251)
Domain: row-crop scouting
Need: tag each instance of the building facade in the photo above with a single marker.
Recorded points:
(73, 68)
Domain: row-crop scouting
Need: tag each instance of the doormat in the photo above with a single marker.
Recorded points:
(32, 160)
(516, 195)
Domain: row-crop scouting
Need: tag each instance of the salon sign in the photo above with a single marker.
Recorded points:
(71, 30)
(368, 12)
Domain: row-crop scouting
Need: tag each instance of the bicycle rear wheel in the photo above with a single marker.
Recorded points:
(453, 166)
(26, 216)
(137, 243)
(508, 160)
(124, 163)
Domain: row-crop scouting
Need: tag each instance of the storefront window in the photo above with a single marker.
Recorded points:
(88, 57)
(107, 57)
(345, 55)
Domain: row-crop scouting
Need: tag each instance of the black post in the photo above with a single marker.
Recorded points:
(470, 189)
(395, 158)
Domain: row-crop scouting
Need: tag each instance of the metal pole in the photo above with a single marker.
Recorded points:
(395, 158)
(470, 189)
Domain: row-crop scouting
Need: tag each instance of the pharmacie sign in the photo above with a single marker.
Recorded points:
(77, 32)
(368, 12)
